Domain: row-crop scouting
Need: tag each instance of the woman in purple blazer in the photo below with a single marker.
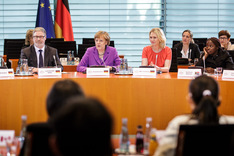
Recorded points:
(101, 54)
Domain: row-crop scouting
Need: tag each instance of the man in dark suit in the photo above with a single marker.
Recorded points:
(40, 55)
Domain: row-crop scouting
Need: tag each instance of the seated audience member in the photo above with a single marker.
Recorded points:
(82, 127)
(224, 38)
(40, 55)
(203, 98)
(60, 92)
(214, 56)
(187, 48)
(157, 54)
(28, 38)
(101, 54)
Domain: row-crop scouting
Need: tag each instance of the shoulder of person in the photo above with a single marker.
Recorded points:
(110, 48)
(50, 48)
(147, 47)
(166, 48)
(193, 44)
(178, 45)
(179, 120)
(90, 49)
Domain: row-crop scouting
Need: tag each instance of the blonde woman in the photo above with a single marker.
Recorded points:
(157, 54)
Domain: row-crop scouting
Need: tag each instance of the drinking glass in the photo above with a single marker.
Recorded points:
(123, 66)
(219, 70)
(195, 61)
(23, 66)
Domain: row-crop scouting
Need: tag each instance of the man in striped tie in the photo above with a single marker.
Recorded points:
(40, 55)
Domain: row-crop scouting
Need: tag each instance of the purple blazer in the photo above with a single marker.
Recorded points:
(91, 58)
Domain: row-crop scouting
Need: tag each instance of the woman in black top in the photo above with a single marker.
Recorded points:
(187, 48)
(214, 56)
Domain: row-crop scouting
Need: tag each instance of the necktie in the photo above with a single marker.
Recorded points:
(40, 59)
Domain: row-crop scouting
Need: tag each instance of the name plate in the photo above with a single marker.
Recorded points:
(228, 74)
(97, 71)
(6, 136)
(191, 73)
(144, 72)
(6, 72)
(43, 72)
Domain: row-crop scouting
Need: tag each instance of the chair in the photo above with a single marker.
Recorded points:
(204, 140)
(232, 40)
(37, 140)
(49, 40)
(64, 46)
(82, 49)
(12, 49)
(174, 42)
(92, 42)
(201, 42)
(174, 67)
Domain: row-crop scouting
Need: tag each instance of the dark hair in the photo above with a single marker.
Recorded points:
(190, 33)
(216, 42)
(60, 92)
(205, 94)
(225, 32)
(83, 126)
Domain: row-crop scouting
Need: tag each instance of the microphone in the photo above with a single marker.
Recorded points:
(204, 63)
(103, 61)
(55, 61)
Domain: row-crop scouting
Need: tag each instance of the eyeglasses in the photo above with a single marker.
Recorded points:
(39, 37)
(223, 38)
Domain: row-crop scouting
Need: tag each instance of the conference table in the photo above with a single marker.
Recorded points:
(161, 97)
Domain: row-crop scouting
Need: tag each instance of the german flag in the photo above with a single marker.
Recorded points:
(63, 24)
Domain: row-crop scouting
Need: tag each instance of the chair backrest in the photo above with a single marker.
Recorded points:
(174, 42)
(12, 48)
(231, 52)
(203, 140)
(37, 140)
(91, 41)
(201, 42)
(49, 40)
(82, 49)
(64, 46)
(232, 40)
(174, 65)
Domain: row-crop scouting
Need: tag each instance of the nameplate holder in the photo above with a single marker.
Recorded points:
(49, 72)
(188, 73)
(6, 136)
(144, 72)
(97, 71)
(228, 74)
(6, 73)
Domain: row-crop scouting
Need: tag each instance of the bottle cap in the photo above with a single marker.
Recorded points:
(124, 120)
(24, 117)
(148, 119)
(139, 126)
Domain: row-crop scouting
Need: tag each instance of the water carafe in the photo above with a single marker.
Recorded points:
(23, 65)
(123, 66)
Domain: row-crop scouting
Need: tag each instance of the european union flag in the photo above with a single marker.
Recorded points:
(44, 18)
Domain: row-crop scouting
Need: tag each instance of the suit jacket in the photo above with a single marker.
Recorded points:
(91, 58)
(30, 54)
(195, 52)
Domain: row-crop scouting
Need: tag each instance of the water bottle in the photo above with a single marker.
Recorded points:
(70, 57)
(147, 135)
(23, 130)
(124, 139)
(153, 144)
(139, 139)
